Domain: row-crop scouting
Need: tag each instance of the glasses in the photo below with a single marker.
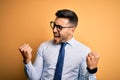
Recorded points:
(58, 27)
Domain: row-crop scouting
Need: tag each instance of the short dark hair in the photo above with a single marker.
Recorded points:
(71, 15)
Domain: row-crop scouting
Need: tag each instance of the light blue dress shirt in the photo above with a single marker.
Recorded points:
(74, 67)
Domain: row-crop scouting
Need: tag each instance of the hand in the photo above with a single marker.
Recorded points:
(26, 53)
(92, 60)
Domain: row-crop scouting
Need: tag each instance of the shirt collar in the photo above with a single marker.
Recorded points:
(71, 41)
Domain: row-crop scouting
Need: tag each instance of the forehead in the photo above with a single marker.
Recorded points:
(62, 21)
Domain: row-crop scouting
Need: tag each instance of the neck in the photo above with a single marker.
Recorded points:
(69, 38)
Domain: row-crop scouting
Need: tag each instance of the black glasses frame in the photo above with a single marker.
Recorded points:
(58, 27)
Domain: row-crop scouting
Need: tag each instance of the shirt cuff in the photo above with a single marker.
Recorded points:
(28, 65)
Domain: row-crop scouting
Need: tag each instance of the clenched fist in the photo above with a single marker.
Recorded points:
(92, 60)
(26, 50)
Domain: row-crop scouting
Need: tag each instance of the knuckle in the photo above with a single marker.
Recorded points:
(97, 56)
(92, 57)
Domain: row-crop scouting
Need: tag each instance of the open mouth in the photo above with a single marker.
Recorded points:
(56, 35)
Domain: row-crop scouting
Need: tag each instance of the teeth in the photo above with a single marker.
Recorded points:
(56, 35)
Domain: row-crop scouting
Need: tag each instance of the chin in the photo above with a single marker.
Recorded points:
(56, 41)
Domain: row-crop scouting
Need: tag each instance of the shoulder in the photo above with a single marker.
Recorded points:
(82, 47)
(45, 44)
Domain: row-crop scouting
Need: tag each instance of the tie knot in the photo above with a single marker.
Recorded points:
(63, 44)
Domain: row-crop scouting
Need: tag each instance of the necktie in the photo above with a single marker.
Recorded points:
(60, 61)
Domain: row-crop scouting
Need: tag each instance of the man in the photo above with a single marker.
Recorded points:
(62, 58)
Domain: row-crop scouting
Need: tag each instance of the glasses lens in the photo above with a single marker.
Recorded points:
(59, 27)
(53, 25)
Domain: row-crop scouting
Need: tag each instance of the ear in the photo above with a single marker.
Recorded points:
(73, 29)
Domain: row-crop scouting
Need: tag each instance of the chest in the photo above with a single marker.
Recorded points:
(73, 57)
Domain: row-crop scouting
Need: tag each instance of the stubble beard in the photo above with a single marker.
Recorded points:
(61, 39)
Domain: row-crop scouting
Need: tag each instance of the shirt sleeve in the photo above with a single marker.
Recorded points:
(83, 73)
(34, 71)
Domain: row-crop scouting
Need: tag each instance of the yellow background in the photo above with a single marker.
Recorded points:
(27, 21)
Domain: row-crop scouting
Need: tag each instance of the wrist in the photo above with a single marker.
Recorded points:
(26, 61)
(92, 70)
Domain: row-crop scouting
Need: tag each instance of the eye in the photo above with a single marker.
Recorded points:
(60, 27)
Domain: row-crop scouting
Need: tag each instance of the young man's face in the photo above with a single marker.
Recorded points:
(64, 34)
